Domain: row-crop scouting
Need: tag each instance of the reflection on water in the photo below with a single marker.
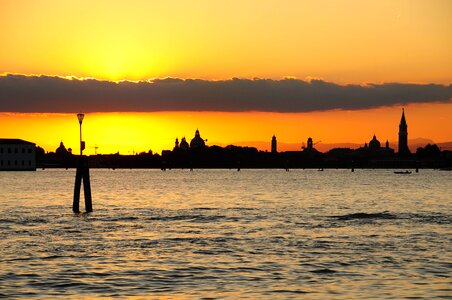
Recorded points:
(221, 233)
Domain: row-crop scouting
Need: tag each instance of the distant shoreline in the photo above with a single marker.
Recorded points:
(233, 157)
(248, 168)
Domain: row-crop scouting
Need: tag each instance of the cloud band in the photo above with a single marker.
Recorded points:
(20, 93)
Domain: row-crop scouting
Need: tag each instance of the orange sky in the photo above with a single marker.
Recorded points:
(340, 41)
(129, 132)
(344, 41)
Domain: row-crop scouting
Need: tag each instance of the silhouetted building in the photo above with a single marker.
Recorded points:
(274, 146)
(61, 150)
(197, 142)
(374, 149)
(183, 144)
(176, 145)
(309, 149)
(166, 153)
(310, 144)
(374, 144)
(428, 152)
(403, 136)
(17, 155)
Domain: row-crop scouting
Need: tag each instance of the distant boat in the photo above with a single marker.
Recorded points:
(402, 172)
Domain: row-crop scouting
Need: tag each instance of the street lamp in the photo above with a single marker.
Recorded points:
(82, 144)
(82, 173)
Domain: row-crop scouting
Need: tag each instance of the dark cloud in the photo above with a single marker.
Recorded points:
(19, 93)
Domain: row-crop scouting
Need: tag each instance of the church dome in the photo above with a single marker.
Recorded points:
(61, 150)
(183, 144)
(374, 143)
(197, 141)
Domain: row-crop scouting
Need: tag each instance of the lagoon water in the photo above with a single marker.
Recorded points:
(256, 234)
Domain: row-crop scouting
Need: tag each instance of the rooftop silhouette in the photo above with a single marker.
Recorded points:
(198, 154)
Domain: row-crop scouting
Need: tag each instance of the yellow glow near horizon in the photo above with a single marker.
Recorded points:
(127, 133)
(346, 41)
(341, 41)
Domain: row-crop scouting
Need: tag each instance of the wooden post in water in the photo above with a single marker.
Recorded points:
(78, 183)
(77, 186)
(82, 174)
(87, 187)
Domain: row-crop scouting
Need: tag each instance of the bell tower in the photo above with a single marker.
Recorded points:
(274, 149)
(403, 136)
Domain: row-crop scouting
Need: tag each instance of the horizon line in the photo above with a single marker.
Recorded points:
(330, 145)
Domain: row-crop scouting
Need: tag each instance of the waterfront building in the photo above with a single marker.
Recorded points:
(309, 145)
(61, 150)
(374, 148)
(183, 144)
(17, 155)
(309, 148)
(176, 145)
(374, 144)
(197, 142)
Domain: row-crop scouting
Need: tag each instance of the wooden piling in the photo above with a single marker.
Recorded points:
(87, 190)
(78, 183)
(82, 173)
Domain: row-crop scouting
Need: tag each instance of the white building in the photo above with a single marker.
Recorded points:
(17, 155)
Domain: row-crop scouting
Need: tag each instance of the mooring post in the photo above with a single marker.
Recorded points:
(77, 186)
(87, 187)
(82, 174)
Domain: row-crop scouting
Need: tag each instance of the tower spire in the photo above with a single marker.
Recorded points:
(403, 135)
(274, 144)
(402, 120)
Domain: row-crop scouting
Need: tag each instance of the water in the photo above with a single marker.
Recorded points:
(257, 234)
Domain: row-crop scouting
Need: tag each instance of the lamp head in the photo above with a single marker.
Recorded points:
(80, 118)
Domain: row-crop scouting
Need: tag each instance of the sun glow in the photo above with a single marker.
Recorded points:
(129, 133)
(114, 63)
(343, 42)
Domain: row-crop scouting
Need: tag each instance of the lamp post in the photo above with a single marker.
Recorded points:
(80, 120)
(82, 174)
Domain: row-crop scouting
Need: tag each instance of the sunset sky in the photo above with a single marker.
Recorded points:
(338, 71)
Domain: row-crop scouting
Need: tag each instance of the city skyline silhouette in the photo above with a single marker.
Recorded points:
(196, 153)
(253, 149)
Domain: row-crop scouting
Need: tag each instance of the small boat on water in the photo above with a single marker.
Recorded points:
(402, 172)
(446, 169)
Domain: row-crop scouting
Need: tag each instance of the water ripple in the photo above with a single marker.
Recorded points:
(209, 234)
